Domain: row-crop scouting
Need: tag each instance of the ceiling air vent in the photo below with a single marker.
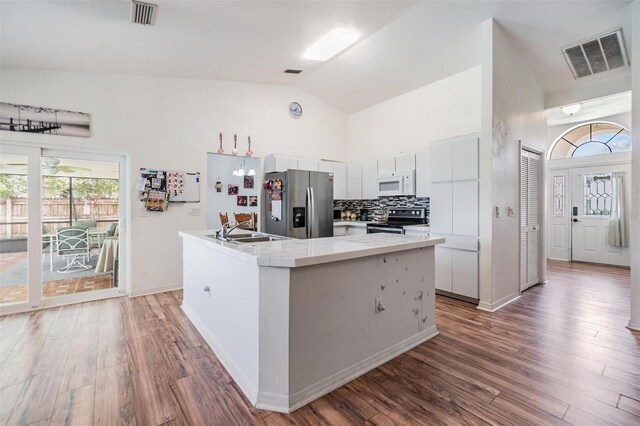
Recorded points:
(143, 13)
(603, 53)
(290, 71)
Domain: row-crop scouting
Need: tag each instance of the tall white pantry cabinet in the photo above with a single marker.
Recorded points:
(454, 187)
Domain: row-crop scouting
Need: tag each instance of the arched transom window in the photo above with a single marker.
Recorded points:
(599, 137)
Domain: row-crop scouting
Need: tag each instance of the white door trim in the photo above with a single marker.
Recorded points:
(569, 164)
(542, 251)
(58, 149)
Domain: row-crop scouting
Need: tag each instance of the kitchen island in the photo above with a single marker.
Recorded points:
(291, 320)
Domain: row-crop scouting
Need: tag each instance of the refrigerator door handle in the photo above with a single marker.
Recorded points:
(313, 212)
(308, 213)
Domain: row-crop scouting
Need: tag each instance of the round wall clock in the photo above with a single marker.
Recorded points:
(295, 110)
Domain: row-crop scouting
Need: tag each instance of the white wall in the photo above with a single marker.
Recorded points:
(172, 123)
(634, 322)
(221, 166)
(447, 108)
(516, 114)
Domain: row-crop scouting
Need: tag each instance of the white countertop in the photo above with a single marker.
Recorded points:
(419, 228)
(358, 223)
(295, 253)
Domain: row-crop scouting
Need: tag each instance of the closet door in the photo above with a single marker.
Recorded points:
(529, 219)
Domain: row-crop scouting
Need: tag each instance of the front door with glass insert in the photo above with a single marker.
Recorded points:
(592, 195)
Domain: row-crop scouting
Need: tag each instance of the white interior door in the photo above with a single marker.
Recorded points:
(591, 198)
(559, 214)
(529, 219)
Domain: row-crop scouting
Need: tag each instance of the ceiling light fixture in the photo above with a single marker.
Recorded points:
(571, 109)
(330, 45)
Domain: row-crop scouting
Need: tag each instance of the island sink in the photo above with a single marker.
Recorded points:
(253, 237)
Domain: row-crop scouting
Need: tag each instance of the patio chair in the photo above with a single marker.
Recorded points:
(74, 247)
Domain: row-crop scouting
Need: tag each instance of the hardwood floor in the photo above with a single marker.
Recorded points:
(559, 355)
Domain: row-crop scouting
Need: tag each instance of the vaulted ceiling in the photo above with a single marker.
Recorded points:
(404, 44)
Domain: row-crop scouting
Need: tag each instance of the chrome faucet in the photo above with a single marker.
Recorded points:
(226, 229)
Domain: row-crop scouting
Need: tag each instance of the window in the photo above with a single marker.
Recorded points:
(598, 193)
(558, 195)
(595, 138)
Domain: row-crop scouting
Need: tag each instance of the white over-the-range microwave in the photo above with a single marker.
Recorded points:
(401, 183)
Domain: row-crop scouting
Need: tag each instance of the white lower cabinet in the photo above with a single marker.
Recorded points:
(444, 279)
(457, 271)
(339, 231)
(342, 230)
(464, 265)
(356, 230)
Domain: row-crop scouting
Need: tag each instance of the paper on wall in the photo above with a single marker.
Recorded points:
(276, 209)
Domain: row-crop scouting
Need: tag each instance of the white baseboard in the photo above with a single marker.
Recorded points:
(501, 303)
(247, 387)
(284, 404)
(634, 326)
(146, 292)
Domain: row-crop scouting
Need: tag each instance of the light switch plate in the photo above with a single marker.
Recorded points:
(194, 211)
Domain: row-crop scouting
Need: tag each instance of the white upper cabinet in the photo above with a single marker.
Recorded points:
(423, 173)
(326, 166)
(369, 179)
(279, 163)
(308, 164)
(354, 181)
(441, 158)
(405, 162)
(464, 152)
(339, 171)
(441, 208)
(339, 181)
(400, 163)
(465, 214)
(387, 166)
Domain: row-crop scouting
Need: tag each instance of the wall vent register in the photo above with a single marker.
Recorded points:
(143, 13)
(597, 55)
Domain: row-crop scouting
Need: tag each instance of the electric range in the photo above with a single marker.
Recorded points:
(399, 218)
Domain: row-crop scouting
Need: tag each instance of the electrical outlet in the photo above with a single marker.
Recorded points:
(511, 211)
(379, 307)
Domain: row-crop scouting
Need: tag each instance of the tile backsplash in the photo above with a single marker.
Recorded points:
(375, 207)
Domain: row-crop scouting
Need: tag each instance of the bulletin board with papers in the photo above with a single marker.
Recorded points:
(179, 186)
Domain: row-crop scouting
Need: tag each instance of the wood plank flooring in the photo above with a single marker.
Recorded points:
(559, 355)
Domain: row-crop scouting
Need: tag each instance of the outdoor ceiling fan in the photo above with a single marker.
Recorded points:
(52, 166)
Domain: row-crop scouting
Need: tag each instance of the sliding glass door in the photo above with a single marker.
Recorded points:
(19, 235)
(61, 227)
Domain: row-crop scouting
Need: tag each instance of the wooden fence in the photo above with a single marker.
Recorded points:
(13, 214)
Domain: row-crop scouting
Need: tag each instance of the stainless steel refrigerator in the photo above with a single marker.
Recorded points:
(299, 204)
